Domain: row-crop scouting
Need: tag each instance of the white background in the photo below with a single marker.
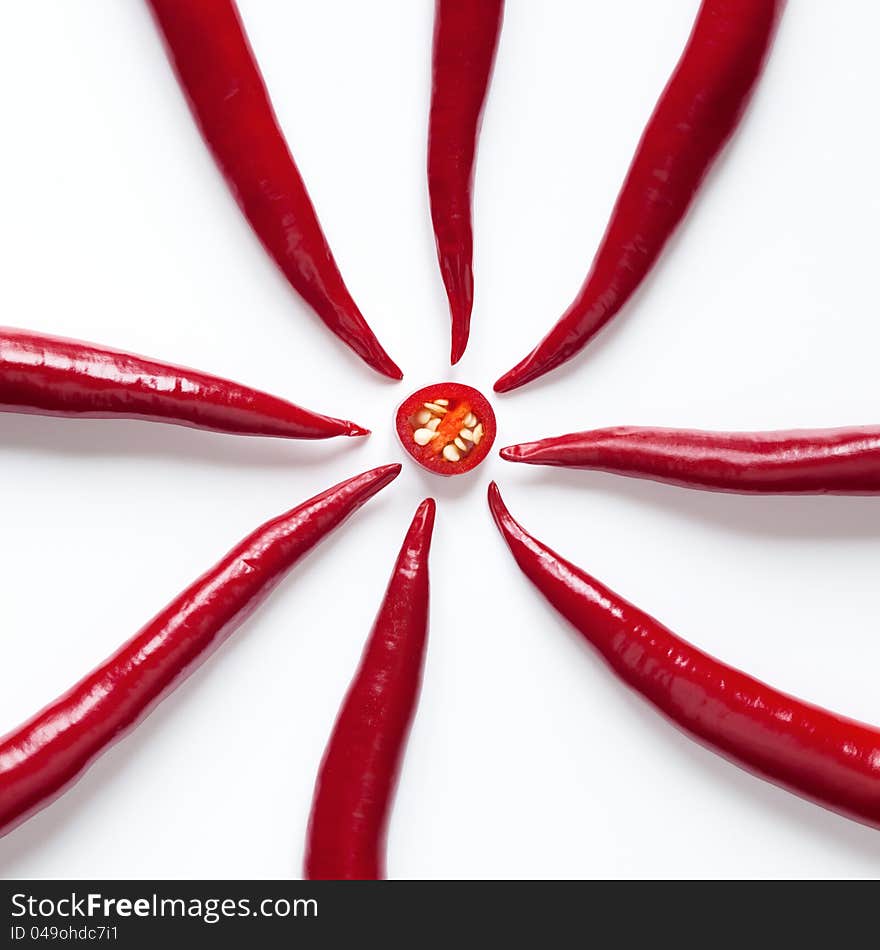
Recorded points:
(527, 758)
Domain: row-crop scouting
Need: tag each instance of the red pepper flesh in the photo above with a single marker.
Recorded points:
(448, 428)
(211, 55)
(52, 376)
(695, 116)
(843, 461)
(465, 42)
(816, 754)
(359, 772)
(43, 757)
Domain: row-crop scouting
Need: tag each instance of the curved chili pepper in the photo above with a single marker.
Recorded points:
(465, 42)
(42, 758)
(52, 376)
(818, 755)
(809, 461)
(209, 50)
(696, 114)
(358, 775)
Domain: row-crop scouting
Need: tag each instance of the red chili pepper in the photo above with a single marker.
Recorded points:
(696, 114)
(814, 753)
(51, 376)
(42, 758)
(815, 461)
(465, 41)
(447, 428)
(210, 52)
(358, 775)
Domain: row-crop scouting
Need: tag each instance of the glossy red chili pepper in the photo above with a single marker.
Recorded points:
(465, 41)
(447, 428)
(814, 461)
(814, 753)
(696, 114)
(358, 775)
(210, 52)
(51, 376)
(42, 758)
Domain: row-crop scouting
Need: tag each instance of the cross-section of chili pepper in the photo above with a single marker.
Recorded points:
(52, 376)
(816, 754)
(209, 50)
(42, 758)
(447, 428)
(843, 461)
(465, 40)
(358, 775)
(696, 114)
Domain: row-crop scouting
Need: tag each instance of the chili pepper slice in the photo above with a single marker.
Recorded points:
(359, 772)
(465, 42)
(447, 428)
(696, 114)
(816, 754)
(52, 376)
(814, 461)
(43, 757)
(211, 55)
